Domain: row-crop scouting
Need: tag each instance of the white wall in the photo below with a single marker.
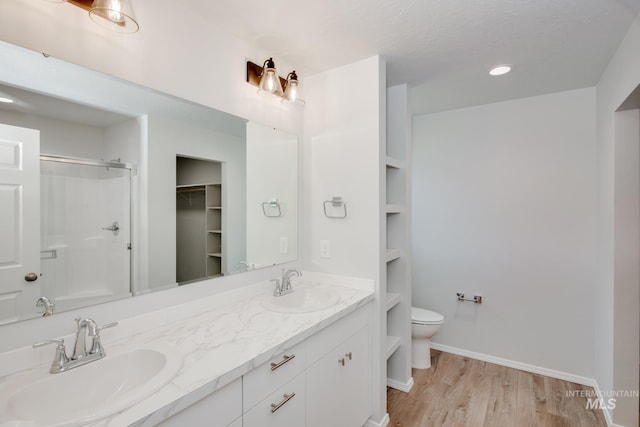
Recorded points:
(619, 79)
(504, 202)
(344, 139)
(59, 137)
(271, 157)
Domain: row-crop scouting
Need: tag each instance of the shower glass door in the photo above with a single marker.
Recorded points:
(85, 231)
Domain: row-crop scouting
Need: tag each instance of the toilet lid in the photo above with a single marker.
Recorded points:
(425, 317)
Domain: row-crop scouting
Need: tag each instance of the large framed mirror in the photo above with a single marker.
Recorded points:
(118, 202)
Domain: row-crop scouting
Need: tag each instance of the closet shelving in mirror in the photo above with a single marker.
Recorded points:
(214, 230)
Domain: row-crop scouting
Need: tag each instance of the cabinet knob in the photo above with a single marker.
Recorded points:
(341, 361)
(349, 355)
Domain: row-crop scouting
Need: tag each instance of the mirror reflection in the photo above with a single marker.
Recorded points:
(127, 191)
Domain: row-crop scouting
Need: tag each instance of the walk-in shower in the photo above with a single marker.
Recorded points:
(85, 232)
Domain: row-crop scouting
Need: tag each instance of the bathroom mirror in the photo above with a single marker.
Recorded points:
(110, 195)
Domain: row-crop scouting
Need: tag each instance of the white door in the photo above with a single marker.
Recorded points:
(19, 222)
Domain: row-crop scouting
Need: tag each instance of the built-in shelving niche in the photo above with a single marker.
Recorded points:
(397, 258)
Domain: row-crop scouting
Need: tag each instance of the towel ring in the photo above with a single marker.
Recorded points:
(335, 202)
(268, 206)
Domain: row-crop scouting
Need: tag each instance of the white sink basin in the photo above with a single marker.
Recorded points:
(90, 392)
(303, 299)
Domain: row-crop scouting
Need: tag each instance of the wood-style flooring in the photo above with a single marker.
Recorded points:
(459, 391)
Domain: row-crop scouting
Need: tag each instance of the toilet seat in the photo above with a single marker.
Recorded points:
(420, 316)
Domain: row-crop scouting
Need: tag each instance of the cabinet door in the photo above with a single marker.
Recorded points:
(324, 394)
(338, 385)
(355, 380)
(284, 408)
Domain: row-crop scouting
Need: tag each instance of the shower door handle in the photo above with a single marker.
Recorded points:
(115, 228)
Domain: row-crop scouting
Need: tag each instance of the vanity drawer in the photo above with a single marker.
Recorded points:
(266, 378)
(283, 408)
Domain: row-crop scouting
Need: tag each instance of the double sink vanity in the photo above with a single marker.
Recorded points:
(239, 358)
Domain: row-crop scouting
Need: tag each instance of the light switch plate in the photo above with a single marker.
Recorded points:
(284, 245)
(325, 249)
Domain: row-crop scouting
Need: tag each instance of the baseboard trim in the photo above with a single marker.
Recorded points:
(608, 416)
(398, 385)
(516, 365)
(384, 422)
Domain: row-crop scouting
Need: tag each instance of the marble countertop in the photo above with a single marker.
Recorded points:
(221, 344)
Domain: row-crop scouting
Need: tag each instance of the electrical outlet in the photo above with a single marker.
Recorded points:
(325, 249)
(284, 245)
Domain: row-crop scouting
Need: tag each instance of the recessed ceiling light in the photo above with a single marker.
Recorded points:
(6, 100)
(500, 70)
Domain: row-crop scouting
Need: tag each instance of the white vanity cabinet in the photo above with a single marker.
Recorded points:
(338, 381)
(322, 381)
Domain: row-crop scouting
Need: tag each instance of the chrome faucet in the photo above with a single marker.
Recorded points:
(47, 305)
(283, 285)
(81, 355)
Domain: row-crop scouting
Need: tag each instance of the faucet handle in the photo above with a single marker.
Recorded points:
(60, 359)
(96, 345)
(108, 325)
(60, 343)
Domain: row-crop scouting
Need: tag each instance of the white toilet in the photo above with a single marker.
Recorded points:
(424, 325)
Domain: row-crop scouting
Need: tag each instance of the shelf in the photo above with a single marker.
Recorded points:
(214, 231)
(392, 300)
(393, 254)
(394, 163)
(195, 185)
(392, 345)
(215, 207)
(393, 209)
(215, 254)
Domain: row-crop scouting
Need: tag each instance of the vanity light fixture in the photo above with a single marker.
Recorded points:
(293, 91)
(115, 15)
(270, 84)
(500, 70)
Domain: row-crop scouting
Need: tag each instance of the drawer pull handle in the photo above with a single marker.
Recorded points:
(349, 355)
(276, 406)
(284, 360)
(341, 361)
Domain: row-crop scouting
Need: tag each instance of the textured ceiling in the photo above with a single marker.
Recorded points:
(441, 48)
